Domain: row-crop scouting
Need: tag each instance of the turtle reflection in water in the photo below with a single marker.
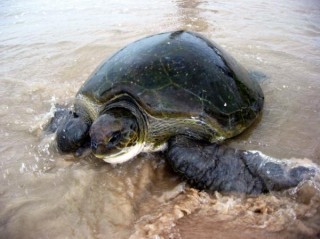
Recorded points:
(181, 93)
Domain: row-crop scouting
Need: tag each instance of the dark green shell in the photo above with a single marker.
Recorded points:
(179, 74)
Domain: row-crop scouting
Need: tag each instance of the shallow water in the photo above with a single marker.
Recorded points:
(48, 49)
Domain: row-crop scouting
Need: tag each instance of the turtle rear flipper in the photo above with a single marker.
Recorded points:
(217, 167)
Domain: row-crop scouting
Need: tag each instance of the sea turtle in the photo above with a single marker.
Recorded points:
(178, 92)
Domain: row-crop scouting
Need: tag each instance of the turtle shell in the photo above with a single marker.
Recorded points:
(179, 74)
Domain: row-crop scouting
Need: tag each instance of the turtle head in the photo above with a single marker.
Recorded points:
(115, 138)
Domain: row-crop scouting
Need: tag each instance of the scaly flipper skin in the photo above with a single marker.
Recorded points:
(72, 134)
(217, 167)
(61, 115)
(71, 131)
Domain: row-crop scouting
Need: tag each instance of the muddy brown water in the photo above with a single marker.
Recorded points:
(49, 48)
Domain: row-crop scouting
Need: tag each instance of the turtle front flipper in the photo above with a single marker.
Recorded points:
(61, 113)
(216, 167)
(72, 134)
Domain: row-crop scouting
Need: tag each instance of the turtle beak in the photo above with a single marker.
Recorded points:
(102, 149)
(98, 148)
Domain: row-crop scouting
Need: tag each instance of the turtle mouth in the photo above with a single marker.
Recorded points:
(118, 144)
(120, 152)
(103, 150)
(120, 155)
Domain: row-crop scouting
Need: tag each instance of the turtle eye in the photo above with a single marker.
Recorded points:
(115, 138)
